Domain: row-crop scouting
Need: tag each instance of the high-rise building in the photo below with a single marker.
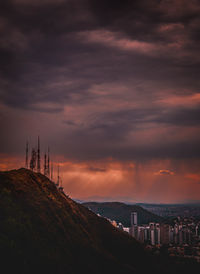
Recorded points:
(152, 227)
(146, 234)
(141, 234)
(134, 231)
(164, 234)
(157, 234)
(134, 222)
(152, 236)
(134, 219)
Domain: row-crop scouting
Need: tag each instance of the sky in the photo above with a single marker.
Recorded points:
(112, 87)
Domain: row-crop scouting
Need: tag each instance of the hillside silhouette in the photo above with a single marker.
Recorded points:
(44, 231)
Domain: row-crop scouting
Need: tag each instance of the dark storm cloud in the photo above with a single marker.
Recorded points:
(102, 146)
(181, 117)
(108, 135)
(58, 55)
(142, 19)
(116, 125)
(137, 117)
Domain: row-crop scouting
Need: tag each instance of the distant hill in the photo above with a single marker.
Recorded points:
(121, 212)
(173, 210)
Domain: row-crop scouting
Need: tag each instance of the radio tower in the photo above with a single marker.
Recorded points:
(61, 185)
(45, 164)
(26, 165)
(58, 178)
(51, 171)
(38, 155)
(33, 160)
(48, 167)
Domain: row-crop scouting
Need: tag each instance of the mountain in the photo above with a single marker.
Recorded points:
(44, 231)
(121, 212)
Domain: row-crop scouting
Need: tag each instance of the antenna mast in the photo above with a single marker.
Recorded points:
(61, 184)
(58, 178)
(45, 164)
(26, 165)
(38, 156)
(51, 171)
(48, 161)
(33, 160)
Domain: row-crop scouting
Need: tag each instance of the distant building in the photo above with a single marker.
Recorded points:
(141, 234)
(152, 227)
(146, 234)
(164, 234)
(126, 229)
(171, 235)
(120, 226)
(152, 235)
(134, 219)
(157, 234)
(133, 231)
(114, 223)
(134, 222)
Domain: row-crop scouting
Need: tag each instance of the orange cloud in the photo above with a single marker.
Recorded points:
(195, 177)
(128, 181)
(10, 162)
(186, 100)
(115, 40)
(164, 172)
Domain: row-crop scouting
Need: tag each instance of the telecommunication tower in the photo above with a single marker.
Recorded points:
(33, 160)
(45, 164)
(48, 162)
(51, 171)
(26, 164)
(58, 177)
(38, 155)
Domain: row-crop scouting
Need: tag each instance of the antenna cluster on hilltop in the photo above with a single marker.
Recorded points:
(35, 163)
